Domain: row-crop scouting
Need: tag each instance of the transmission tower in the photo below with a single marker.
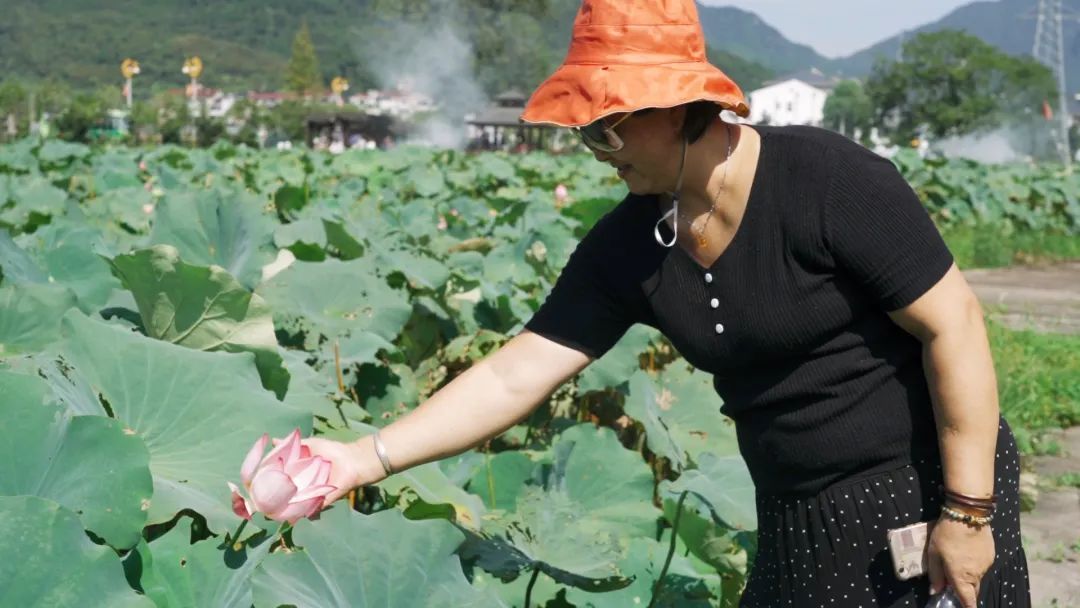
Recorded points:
(1049, 49)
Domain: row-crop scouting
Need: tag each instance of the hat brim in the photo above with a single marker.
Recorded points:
(578, 94)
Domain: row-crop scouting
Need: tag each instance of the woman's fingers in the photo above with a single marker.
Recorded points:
(966, 587)
(937, 572)
(343, 465)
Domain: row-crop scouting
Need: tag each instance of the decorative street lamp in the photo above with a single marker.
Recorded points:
(339, 85)
(193, 67)
(129, 68)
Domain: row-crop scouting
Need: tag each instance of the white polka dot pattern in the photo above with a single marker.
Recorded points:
(829, 550)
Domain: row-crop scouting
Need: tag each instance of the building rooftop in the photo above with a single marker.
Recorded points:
(811, 76)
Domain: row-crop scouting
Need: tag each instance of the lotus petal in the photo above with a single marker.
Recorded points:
(324, 473)
(312, 491)
(304, 471)
(271, 491)
(240, 504)
(251, 461)
(285, 449)
(296, 510)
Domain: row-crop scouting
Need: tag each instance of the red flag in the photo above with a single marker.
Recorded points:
(1047, 112)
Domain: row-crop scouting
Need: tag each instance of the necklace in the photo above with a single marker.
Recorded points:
(702, 241)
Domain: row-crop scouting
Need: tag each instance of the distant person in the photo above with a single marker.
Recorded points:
(801, 270)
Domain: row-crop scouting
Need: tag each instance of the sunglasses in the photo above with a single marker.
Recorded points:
(601, 136)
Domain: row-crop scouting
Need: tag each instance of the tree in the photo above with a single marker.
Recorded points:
(951, 83)
(747, 74)
(848, 109)
(302, 74)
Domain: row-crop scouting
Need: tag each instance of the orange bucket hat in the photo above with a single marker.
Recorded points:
(626, 55)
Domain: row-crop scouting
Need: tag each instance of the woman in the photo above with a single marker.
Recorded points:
(802, 272)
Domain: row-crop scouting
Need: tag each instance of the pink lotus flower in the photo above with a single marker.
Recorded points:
(442, 222)
(142, 165)
(561, 193)
(286, 484)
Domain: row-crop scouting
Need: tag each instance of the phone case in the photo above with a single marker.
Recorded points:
(908, 546)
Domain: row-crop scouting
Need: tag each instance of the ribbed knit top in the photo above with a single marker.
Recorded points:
(791, 319)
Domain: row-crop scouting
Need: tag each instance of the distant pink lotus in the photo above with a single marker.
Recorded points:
(286, 484)
(561, 193)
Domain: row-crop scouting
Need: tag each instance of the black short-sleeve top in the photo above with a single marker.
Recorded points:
(791, 319)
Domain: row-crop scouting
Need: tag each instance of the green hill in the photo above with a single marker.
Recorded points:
(1007, 24)
(746, 35)
(245, 44)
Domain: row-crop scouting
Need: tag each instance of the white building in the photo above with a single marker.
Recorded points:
(797, 99)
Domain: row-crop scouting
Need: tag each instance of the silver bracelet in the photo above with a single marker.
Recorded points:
(380, 449)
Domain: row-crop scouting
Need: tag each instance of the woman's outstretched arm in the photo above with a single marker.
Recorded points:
(491, 396)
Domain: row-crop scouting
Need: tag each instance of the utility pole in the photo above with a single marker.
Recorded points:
(1049, 49)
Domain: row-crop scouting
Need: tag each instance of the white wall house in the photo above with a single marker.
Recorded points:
(797, 99)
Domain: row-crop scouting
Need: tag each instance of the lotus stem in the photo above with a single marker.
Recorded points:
(532, 581)
(671, 550)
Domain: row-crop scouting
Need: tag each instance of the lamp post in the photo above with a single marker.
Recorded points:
(339, 85)
(129, 68)
(193, 67)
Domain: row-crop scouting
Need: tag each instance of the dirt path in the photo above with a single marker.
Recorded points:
(1045, 299)
(1051, 531)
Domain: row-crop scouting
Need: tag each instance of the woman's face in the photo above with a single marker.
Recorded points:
(649, 159)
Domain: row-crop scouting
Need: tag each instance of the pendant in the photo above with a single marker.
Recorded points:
(702, 241)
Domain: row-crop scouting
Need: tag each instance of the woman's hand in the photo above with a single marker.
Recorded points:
(353, 464)
(959, 556)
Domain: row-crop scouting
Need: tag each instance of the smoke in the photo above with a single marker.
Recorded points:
(432, 60)
(1005, 144)
(995, 147)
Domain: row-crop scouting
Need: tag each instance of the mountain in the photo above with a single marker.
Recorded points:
(1007, 24)
(245, 44)
(746, 35)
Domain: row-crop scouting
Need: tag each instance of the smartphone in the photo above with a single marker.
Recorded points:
(908, 546)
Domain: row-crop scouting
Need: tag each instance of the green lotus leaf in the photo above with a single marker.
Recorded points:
(683, 586)
(618, 364)
(613, 485)
(88, 464)
(333, 298)
(33, 195)
(54, 564)
(217, 227)
(198, 412)
(201, 308)
(681, 415)
(426, 481)
(356, 560)
(174, 572)
(16, 266)
(30, 316)
(501, 478)
(720, 484)
(548, 532)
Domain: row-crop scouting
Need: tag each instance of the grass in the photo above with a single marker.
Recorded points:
(1038, 383)
(1069, 480)
(990, 247)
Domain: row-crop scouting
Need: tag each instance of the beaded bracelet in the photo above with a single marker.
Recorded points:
(971, 520)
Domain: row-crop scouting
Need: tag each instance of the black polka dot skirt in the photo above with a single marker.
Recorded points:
(829, 550)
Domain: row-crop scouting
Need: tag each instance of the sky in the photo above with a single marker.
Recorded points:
(865, 22)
